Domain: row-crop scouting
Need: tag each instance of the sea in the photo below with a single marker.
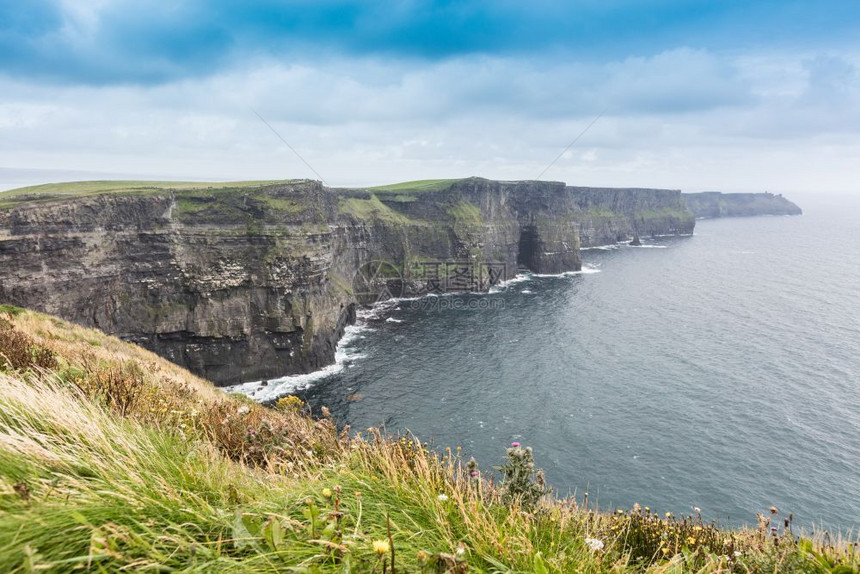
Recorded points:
(718, 371)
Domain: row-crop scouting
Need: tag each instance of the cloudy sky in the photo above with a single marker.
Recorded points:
(735, 95)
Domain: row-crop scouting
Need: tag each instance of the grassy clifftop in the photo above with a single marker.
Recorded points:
(67, 190)
(114, 459)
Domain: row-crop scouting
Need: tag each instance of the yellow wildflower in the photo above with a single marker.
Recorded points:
(326, 492)
(381, 547)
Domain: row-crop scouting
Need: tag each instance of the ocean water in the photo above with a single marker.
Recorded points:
(719, 371)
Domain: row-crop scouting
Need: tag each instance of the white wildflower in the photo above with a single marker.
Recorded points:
(442, 497)
(594, 544)
(737, 553)
(243, 410)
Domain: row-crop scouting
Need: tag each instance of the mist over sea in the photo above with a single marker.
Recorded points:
(720, 371)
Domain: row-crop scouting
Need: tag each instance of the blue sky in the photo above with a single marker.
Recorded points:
(704, 94)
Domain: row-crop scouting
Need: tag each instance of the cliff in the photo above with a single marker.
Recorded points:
(612, 215)
(717, 204)
(241, 282)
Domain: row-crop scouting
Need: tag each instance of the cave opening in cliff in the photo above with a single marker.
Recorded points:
(529, 248)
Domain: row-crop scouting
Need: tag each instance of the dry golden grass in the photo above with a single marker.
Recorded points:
(113, 458)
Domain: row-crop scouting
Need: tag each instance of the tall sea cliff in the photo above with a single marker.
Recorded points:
(248, 282)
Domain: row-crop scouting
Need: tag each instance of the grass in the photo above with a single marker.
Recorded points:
(418, 185)
(112, 459)
(50, 191)
(466, 214)
(75, 188)
(55, 191)
(371, 208)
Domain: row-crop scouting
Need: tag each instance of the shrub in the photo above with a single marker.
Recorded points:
(520, 481)
(19, 352)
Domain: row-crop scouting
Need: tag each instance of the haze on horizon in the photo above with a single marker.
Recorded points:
(733, 96)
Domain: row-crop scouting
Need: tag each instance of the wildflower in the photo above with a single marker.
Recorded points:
(243, 410)
(619, 511)
(594, 544)
(737, 553)
(474, 474)
(668, 515)
(326, 492)
(666, 550)
(697, 510)
(442, 497)
(422, 556)
(515, 444)
(381, 547)
(461, 550)
(691, 540)
(774, 509)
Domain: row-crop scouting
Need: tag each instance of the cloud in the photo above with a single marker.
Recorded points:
(370, 92)
(682, 118)
(150, 42)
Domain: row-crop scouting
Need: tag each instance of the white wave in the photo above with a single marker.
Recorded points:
(274, 388)
(603, 247)
(502, 285)
(393, 320)
(644, 246)
(527, 291)
(586, 270)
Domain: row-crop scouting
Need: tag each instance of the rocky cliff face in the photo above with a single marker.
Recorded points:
(247, 283)
(717, 204)
(612, 215)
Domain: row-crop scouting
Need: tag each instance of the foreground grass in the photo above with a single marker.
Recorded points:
(112, 459)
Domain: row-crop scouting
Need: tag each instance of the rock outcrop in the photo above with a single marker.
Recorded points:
(244, 283)
(710, 204)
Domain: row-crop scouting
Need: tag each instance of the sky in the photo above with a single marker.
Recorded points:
(696, 95)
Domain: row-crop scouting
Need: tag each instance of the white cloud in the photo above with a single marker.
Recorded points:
(682, 119)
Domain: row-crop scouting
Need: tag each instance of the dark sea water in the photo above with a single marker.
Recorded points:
(720, 371)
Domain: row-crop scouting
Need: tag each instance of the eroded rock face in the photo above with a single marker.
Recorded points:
(716, 204)
(610, 215)
(249, 283)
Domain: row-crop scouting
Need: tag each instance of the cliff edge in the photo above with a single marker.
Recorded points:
(246, 281)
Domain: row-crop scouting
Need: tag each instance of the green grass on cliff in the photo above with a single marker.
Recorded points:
(371, 208)
(54, 191)
(115, 460)
(418, 185)
(84, 187)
